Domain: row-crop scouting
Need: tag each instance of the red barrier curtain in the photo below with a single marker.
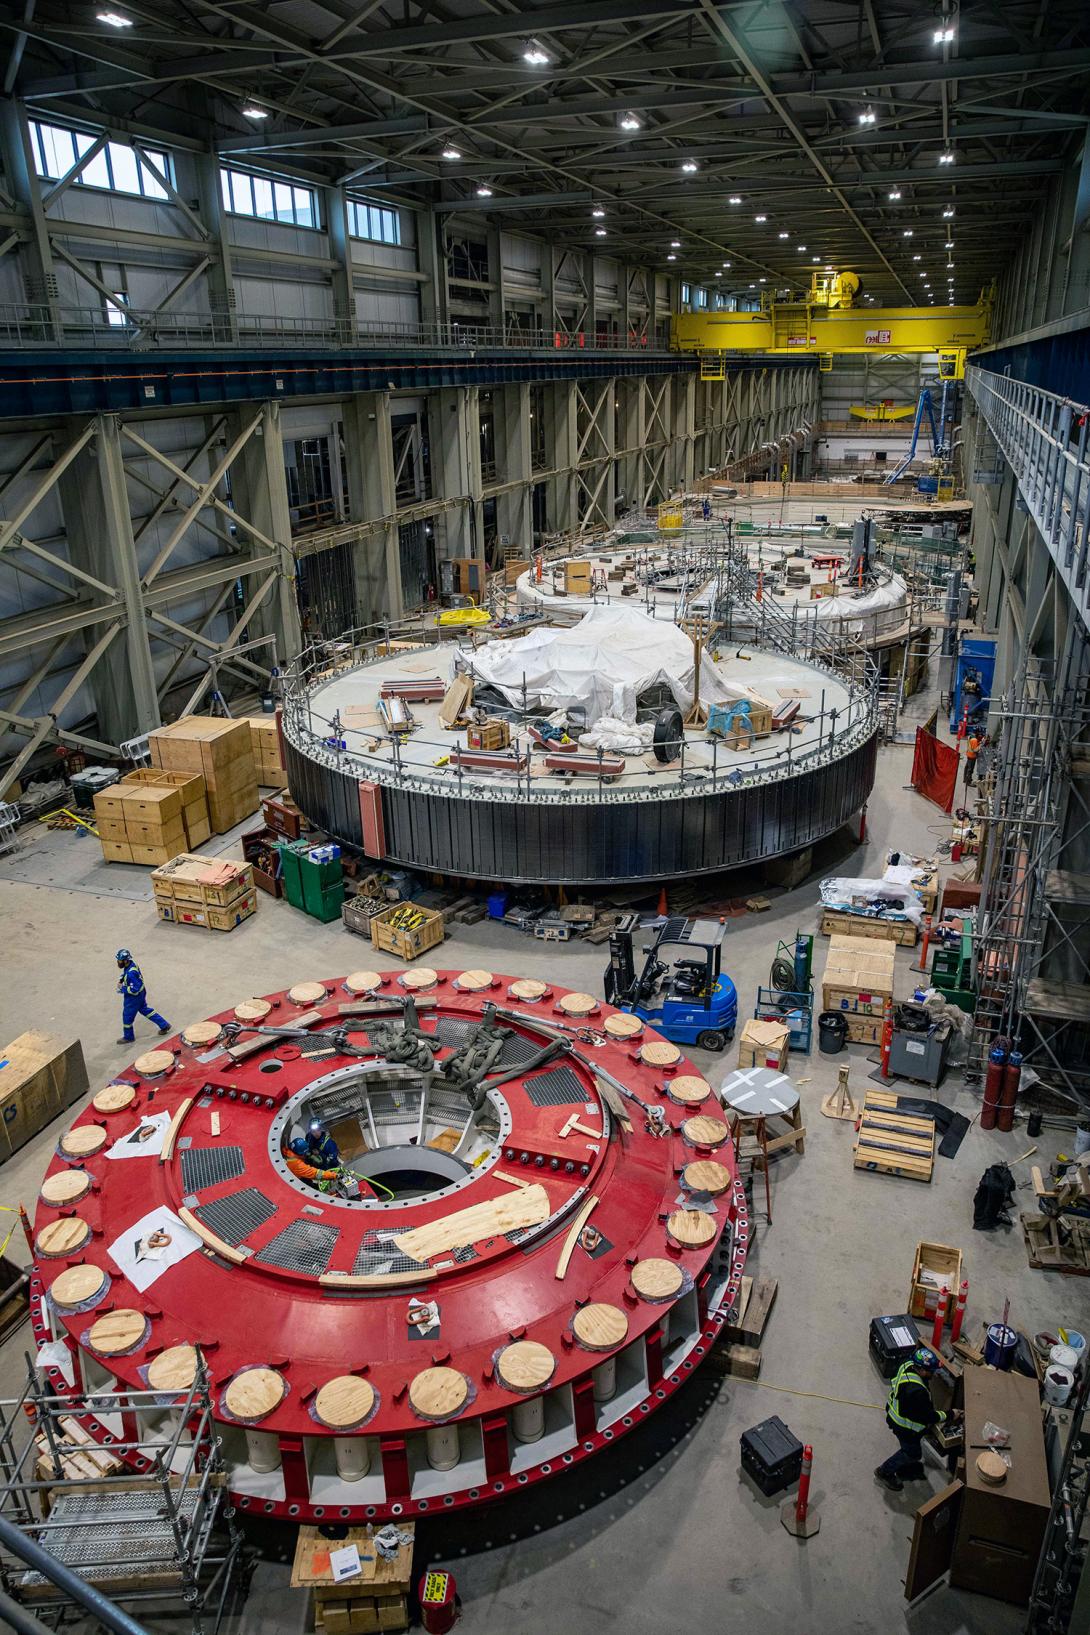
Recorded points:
(935, 769)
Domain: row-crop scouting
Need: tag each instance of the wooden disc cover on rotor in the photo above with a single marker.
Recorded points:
(437, 1393)
(688, 1089)
(474, 981)
(154, 1063)
(82, 1140)
(659, 1053)
(77, 1284)
(577, 1004)
(424, 977)
(705, 1175)
(343, 1402)
(114, 1098)
(622, 1026)
(254, 1393)
(117, 1331)
(657, 1279)
(991, 1468)
(691, 1228)
(174, 1369)
(526, 1365)
(201, 1033)
(363, 982)
(68, 1186)
(252, 1010)
(528, 988)
(63, 1237)
(703, 1131)
(599, 1326)
(307, 993)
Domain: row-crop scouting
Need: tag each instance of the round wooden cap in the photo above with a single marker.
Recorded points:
(622, 1026)
(688, 1089)
(252, 1010)
(363, 982)
(659, 1053)
(77, 1284)
(154, 1063)
(528, 987)
(525, 1366)
(703, 1131)
(473, 981)
(577, 1004)
(66, 1187)
(991, 1468)
(691, 1228)
(114, 1099)
(63, 1237)
(118, 1331)
(599, 1327)
(174, 1369)
(344, 1401)
(438, 1393)
(657, 1279)
(201, 1033)
(421, 977)
(705, 1175)
(254, 1393)
(82, 1140)
(307, 993)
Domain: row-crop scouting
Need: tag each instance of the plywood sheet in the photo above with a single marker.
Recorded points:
(528, 1206)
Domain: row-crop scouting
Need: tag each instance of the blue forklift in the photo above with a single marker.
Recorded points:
(682, 990)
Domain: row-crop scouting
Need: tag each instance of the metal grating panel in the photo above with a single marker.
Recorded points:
(373, 1257)
(101, 1534)
(208, 1166)
(395, 1106)
(559, 1087)
(451, 1030)
(234, 1217)
(517, 1051)
(302, 1246)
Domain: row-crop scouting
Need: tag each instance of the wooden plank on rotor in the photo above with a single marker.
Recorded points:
(456, 702)
(528, 1207)
(573, 1236)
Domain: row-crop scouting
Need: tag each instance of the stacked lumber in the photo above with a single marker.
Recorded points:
(894, 1143)
(739, 1352)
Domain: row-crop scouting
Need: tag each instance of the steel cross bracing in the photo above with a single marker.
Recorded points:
(1031, 949)
(764, 101)
(1045, 440)
(1055, 1598)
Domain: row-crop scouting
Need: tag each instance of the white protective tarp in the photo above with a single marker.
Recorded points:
(878, 611)
(872, 899)
(601, 664)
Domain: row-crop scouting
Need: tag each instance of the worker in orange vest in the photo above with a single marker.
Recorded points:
(972, 750)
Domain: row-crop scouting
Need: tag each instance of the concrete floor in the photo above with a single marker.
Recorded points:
(663, 1528)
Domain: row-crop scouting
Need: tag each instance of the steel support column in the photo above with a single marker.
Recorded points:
(514, 507)
(369, 456)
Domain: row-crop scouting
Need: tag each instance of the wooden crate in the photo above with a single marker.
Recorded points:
(218, 749)
(834, 922)
(763, 1044)
(209, 919)
(858, 977)
(894, 1143)
(407, 944)
(945, 1261)
(376, 1600)
(203, 882)
(265, 748)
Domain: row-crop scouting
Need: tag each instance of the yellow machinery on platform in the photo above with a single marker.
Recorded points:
(826, 323)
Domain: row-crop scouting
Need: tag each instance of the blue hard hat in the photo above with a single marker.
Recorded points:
(123, 956)
(922, 1358)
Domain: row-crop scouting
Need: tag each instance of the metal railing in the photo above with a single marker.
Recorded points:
(1044, 439)
(30, 325)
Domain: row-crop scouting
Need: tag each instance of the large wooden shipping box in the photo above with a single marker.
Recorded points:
(190, 785)
(40, 1076)
(221, 751)
(858, 981)
(146, 822)
(214, 893)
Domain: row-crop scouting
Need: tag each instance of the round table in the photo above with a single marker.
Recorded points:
(754, 1095)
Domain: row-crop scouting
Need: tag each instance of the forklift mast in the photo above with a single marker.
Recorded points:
(621, 974)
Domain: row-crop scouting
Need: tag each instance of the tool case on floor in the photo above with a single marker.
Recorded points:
(772, 1455)
(892, 1342)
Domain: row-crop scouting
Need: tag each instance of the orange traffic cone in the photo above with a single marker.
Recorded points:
(663, 909)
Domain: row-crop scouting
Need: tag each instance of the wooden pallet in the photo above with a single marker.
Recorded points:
(834, 923)
(894, 1143)
(1046, 1254)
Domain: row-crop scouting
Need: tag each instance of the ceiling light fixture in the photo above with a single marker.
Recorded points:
(946, 158)
(785, 235)
(949, 245)
(114, 19)
(629, 122)
(726, 263)
(907, 233)
(867, 117)
(800, 248)
(484, 192)
(689, 166)
(534, 55)
(760, 218)
(252, 112)
(450, 153)
(917, 258)
(943, 36)
(896, 193)
(815, 258)
(949, 264)
(675, 244)
(735, 198)
(671, 258)
(598, 211)
(599, 232)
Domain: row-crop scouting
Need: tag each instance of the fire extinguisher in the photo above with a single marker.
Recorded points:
(993, 1083)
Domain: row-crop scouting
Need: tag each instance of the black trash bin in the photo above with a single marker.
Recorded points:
(832, 1032)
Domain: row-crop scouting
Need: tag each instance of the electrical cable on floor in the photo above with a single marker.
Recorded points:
(816, 1396)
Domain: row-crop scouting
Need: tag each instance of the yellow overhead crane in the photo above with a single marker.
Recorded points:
(826, 323)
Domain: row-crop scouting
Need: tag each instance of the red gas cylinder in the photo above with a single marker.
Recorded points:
(1008, 1094)
(438, 1605)
(993, 1085)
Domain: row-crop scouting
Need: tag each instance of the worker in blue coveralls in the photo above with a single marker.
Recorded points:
(134, 998)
